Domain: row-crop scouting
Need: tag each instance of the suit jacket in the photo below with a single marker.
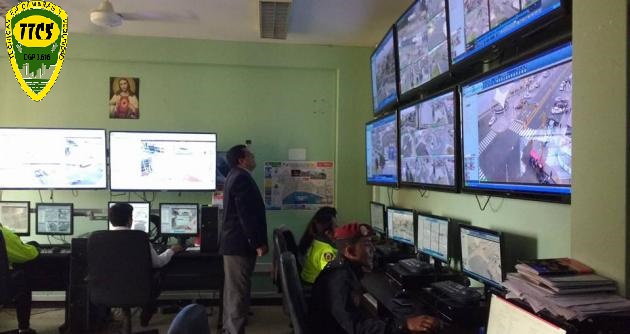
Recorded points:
(244, 221)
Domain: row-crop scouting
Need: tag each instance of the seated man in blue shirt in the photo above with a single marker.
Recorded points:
(19, 290)
(337, 291)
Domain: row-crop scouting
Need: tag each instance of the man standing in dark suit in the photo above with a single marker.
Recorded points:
(243, 237)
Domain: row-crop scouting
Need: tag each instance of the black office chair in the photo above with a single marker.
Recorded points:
(192, 319)
(119, 271)
(279, 246)
(292, 290)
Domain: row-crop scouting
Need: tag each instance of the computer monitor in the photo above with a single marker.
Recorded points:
(36, 158)
(432, 237)
(383, 65)
(422, 46)
(381, 145)
(477, 26)
(15, 216)
(400, 225)
(482, 254)
(162, 161)
(54, 219)
(377, 217)
(505, 317)
(517, 129)
(179, 219)
(141, 213)
(428, 132)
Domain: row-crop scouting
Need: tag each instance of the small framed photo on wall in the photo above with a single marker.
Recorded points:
(124, 97)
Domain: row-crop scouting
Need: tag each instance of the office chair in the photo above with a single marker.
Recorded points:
(192, 319)
(279, 247)
(119, 271)
(292, 290)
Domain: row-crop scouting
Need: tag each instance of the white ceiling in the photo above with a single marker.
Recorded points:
(327, 22)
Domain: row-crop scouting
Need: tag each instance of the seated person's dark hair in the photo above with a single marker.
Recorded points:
(322, 221)
(120, 213)
(234, 154)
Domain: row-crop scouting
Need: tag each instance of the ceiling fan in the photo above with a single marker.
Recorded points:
(105, 16)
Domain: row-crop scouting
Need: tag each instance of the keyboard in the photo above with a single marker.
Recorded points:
(456, 291)
(415, 266)
(55, 250)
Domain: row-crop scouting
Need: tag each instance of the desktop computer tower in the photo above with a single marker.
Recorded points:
(209, 229)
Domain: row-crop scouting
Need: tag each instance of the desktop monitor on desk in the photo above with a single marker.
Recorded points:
(179, 219)
(400, 225)
(54, 219)
(15, 217)
(482, 255)
(432, 236)
(505, 317)
(141, 212)
(377, 217)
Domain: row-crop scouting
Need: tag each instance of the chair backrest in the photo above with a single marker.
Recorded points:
(279, 247)
(4, 271)
(119, 268)
(293, 291)
(192, 319)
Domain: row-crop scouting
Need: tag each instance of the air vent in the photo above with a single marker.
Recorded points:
(274, 19)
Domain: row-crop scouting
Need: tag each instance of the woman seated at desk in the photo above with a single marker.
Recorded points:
(317, 243)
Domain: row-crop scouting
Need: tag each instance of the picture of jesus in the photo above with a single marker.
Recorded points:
(124, 98)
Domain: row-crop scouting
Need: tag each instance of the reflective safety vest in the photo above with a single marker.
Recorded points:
(317, 257)
(17, 251)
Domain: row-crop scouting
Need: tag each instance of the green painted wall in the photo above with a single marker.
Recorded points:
(279, 96)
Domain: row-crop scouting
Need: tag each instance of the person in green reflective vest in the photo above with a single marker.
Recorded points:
(322, 247)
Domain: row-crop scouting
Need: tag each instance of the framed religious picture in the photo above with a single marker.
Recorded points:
(124, 97)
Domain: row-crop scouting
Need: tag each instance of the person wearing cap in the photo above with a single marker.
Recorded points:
(337, 291)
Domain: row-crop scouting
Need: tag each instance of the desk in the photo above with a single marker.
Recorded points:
(190, 270)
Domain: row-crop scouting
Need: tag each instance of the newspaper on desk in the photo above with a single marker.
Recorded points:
(580, 306)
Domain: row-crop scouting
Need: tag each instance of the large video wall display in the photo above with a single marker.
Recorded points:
(52, 158)
(162, 161)
(383, 63)
(477, 24)
(517, 127)
(427, 142)
(382, 151)
(422, 43)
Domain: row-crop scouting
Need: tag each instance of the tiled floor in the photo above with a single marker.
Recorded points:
(266, 319)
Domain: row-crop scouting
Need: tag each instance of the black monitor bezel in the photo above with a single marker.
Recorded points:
(66, 205)
(415, 225)
(65, 188)
(448, 241)
(109, 205)
(28, 218)
(160, 189)
(510, 41)
(456, 146)
(391, 105)
(413, 93)
(385, 184)
(514, 194)
(384, 217)
(181, 234)
(475, 276)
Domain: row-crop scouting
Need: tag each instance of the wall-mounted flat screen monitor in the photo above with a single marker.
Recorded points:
(383, 64)
(179, 219)
(140, 216)
(381, 143)
(15, 216)
(377, 217)
(476, 25)
(422, 44)
(481, 254)
(505, 317)
(428, 142)
(52, 158)
(54, 219)
(162, 161)
(517, 129)
(432, 236)
(400, 225)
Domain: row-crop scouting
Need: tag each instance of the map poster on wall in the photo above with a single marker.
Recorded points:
(302, 185)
